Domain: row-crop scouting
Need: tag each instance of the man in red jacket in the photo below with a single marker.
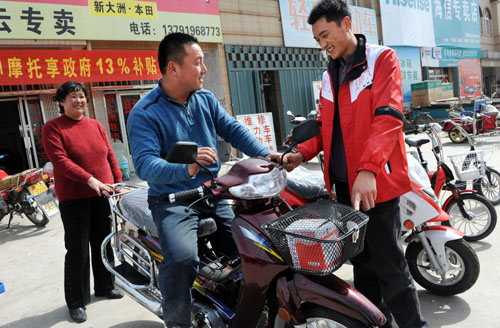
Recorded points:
(365, 157)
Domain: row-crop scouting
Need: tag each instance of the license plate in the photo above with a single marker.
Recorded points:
(50, 208)
(37, 188)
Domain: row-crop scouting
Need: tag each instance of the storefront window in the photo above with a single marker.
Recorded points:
(439, 73)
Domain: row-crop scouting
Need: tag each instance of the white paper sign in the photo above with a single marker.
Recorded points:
(262, 127)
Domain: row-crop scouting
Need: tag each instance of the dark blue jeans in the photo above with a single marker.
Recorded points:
(179, 241)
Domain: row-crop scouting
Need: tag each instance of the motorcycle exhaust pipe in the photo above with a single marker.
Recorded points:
(149, 304)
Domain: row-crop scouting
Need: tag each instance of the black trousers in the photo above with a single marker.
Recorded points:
(380, 270)
(86, 221)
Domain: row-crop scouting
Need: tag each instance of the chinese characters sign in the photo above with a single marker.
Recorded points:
(147, 20)
(261, 126)
(430, 23)
(446, 57)
(297, 33)
(51, 66)
(411, 72)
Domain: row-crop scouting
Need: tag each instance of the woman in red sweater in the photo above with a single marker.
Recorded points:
(84, 167)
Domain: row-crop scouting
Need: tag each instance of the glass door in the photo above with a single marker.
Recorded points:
(33, 125)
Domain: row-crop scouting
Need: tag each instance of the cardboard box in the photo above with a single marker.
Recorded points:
(423, 93)
(311, 255)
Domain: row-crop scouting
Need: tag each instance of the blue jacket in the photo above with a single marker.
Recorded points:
(157, 122)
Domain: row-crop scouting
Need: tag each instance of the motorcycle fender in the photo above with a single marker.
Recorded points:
(438, 236)
(329, 292)
(448, 200)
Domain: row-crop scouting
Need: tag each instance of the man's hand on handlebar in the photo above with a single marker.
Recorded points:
(206, 156)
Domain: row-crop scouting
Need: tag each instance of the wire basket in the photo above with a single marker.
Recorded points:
(469, 165)
(488, 142)
(318, 238)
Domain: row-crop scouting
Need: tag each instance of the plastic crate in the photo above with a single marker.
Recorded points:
(469, 165)
(319, 237)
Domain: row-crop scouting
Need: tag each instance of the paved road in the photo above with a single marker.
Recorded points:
(31, 267)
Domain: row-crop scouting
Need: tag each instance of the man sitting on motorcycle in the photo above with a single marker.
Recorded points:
(178, 109)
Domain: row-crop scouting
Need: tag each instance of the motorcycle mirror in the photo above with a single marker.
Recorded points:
(183, 152)
(305, 130)
(289, 113)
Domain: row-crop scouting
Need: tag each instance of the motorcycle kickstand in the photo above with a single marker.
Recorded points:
(11, 216)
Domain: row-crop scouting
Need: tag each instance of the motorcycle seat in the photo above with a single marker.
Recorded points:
(134, 207)
(413, 142)
(306, 184)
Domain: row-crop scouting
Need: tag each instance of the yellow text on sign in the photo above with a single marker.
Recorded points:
(123, 8)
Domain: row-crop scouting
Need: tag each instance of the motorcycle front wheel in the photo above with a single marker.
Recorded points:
(37, 217)
(320, 317)
(489, 187)
(482, 216)
(463, 268)
(455, 135)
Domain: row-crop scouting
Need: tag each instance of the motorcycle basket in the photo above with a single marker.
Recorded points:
(319, 237)
(469, 165)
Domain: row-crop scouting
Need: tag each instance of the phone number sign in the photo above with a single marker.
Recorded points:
(19, 67)
(126, 20)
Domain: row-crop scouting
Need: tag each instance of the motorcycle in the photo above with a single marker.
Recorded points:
(483, 120)
(29, 193)
(282, 274)
(297, 119)
(469, 212)
(438, 257)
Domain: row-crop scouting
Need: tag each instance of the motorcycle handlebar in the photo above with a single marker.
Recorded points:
(186, 194)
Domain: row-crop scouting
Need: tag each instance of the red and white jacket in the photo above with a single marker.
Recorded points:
(370, 108)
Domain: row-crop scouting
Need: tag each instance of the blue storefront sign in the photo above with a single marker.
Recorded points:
(411, 72)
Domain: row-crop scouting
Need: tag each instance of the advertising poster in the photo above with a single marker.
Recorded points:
(57, 66)
(261, 126)
(297, 33)
(469, 71)
(430, 23)
(146, 20)
(411, 72)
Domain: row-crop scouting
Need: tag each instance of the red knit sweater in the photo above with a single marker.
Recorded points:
(79, 150)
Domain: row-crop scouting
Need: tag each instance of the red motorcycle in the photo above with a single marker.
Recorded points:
(282, 276)
(29, 193)
(481, 121)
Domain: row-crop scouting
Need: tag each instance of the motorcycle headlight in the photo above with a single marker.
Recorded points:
(261, 185)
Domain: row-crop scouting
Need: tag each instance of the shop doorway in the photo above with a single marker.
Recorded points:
(21, 134)
(118, 107)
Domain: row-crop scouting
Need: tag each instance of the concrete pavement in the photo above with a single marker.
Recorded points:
(31, 268)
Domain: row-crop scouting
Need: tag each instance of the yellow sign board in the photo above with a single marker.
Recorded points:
(126, 20)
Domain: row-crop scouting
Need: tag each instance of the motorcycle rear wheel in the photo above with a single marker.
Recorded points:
(317, 316)
(38, 218)
(484, 217)
(462, 261)
(456, 136)
(489, 188)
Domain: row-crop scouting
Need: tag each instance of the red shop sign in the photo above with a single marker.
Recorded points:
(19, 67)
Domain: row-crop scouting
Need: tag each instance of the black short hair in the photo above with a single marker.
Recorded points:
(65, 89)
(172, 49)
(331, 10)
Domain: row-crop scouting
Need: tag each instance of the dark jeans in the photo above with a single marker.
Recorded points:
(85, 221)
(380, 270)
(179, 242)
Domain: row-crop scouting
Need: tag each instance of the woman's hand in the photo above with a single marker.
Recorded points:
(98, 186)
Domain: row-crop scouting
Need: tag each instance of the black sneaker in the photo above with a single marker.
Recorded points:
(78, 315)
